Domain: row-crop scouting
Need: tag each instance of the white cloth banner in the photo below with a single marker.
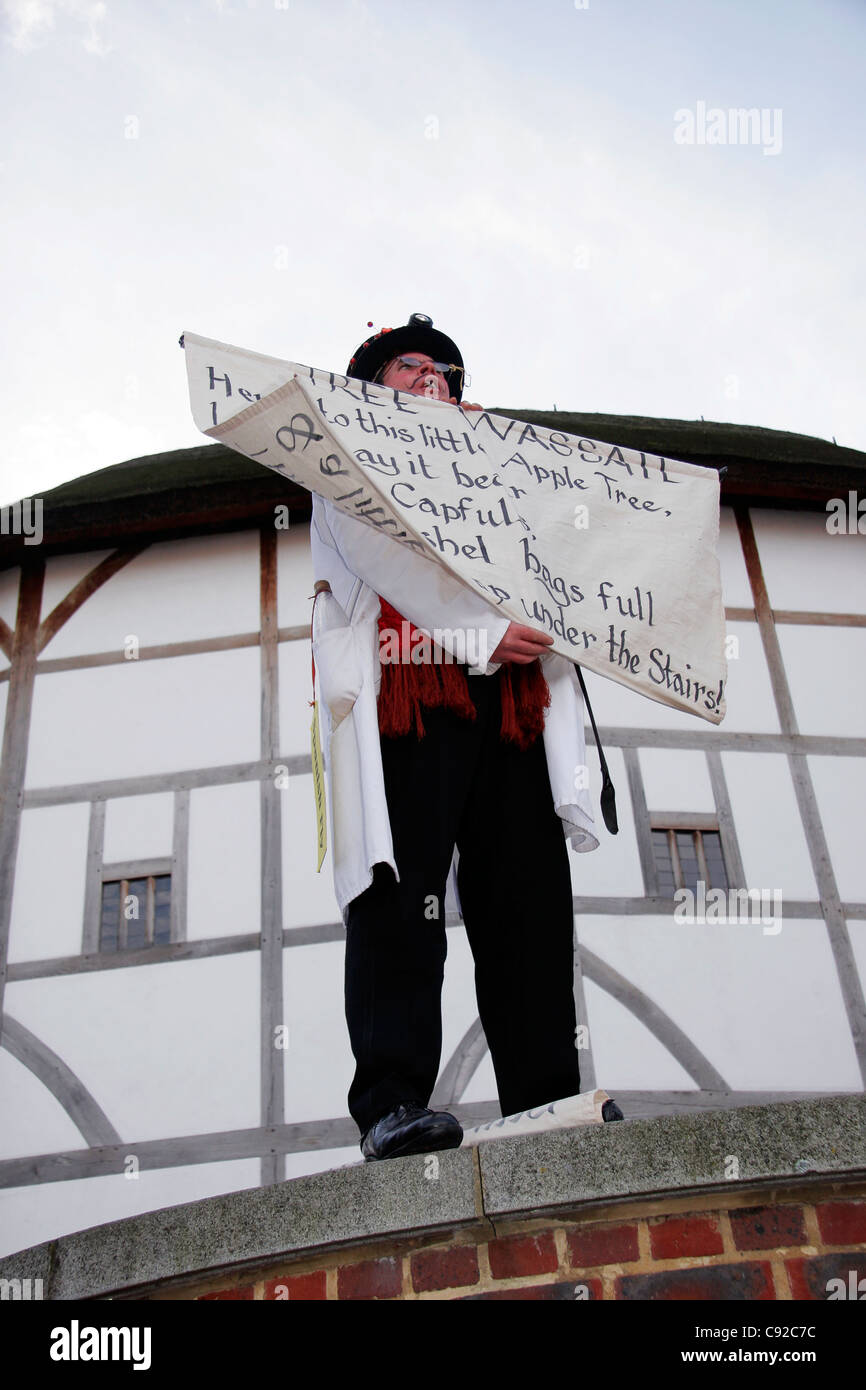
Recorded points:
(568, 1113)
(610, 551)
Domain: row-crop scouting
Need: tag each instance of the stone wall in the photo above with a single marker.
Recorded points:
(778, 1249)
(761, 1203)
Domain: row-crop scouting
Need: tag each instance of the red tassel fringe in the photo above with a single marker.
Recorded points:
(409, 686)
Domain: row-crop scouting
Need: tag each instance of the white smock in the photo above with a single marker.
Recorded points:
(361, 563)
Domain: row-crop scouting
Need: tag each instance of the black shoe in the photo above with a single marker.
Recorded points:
(410, 1129)
(611, 1111)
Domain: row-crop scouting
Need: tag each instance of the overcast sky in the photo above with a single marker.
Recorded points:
(275, 173)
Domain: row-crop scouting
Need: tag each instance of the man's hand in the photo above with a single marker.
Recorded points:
(465, 405)
(521, 644)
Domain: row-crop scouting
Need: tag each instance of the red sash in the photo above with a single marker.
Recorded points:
(408, 686)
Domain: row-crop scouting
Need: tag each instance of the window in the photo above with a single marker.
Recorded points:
(135, 912)
(685, 854)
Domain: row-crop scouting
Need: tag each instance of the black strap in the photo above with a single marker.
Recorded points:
(608, 795)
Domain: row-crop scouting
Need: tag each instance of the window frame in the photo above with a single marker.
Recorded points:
(125, 873)
(696, 823)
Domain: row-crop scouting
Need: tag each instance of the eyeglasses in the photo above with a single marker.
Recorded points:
(413, 363)
(443, 367)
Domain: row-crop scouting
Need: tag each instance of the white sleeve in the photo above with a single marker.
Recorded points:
(424, 592)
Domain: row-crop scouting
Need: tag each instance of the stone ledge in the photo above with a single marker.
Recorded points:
(676, 1153)
(504, 1180)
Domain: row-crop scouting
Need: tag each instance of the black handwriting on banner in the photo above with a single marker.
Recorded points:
(567, 446)
(544, 476)
(616, 494)
(406, 469)
(560, 477)
(662, 671)
(377, 396)
(405, 494)
(213, 378)
(425, 476)
(555, 622)
(365, 506)
(287, 436)
(390, 467)
(431, 437)
(563, 593)
(495, 591)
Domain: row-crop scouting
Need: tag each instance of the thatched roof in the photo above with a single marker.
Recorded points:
(211, 488)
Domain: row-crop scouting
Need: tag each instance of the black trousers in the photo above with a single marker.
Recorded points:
(461, 784)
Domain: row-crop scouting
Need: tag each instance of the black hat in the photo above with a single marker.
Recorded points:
(418, 335)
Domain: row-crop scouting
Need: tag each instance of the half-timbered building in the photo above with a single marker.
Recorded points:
(171, 983)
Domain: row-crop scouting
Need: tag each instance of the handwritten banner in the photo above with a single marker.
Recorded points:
(609, 550)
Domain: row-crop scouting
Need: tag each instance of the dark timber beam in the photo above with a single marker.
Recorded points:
(80, 592)
(273, 1050)
(16, 735)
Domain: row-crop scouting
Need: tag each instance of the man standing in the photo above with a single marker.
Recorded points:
(431, 758)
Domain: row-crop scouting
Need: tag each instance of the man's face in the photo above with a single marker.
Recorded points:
(414, 372)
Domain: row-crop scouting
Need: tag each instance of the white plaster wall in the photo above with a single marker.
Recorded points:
(318, 1060)
(174, 591)
(459, 1012)
(39, 1124)
(614, 868)
(308, 896)
(296, 691)
(294, 575)
(145, 717)
(772, 840)
(31, 1215)
(614, 705)
(48, 892)
(826, 669)
(63, 572)
(138, 827)
(224, 878)
(765, 1010)
(748, 693)
(167, 1049)
(624, 1051)
(736, 590)
(676, 780)
(840, 790)
(806, 568)
(482, 1083)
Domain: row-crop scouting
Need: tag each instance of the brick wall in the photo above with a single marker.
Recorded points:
(773, 1248)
